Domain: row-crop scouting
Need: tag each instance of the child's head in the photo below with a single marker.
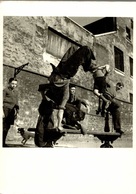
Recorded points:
(12, 83)
(119, 85)
(72, 89)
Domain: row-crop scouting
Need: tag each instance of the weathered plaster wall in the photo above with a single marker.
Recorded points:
(25, 40)
(29, 100)
(104, 48)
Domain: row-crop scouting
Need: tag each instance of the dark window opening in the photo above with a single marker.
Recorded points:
(132, 24)
(119, 59)
(58, 43)
(104, 25)
(128, 34)
(131, 66)
(131, 97)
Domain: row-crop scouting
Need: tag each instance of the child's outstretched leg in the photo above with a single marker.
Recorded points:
(107, 102)
(60, 117)
(99, 106)
(101, 98)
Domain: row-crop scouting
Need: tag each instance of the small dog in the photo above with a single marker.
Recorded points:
(25, 134)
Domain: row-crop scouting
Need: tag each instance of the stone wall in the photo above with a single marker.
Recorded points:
(94, 122)
(29, 100)
(29, 97)
(25, 40)
(104, 48)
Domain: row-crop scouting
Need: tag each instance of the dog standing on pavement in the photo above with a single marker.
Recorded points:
(25, 134)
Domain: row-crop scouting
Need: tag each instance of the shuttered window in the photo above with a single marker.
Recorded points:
(119, 59)
(131, 66)
(131, 97)
(128, 34)
(58, 44)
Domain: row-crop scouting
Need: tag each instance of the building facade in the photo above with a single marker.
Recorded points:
(114, 46)
(40, 41)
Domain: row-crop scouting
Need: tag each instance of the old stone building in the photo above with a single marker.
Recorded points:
(114, 46)
(40, 41)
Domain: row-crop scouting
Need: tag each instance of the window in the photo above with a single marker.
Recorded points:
(128, 34)
(131, 66)
(131, 97)
(58, 44)
(119, 59)
(131, 23)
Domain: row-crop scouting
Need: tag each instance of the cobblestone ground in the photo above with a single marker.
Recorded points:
(77, 141)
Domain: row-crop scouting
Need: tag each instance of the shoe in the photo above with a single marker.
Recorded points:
(49, 145)
(119, 131)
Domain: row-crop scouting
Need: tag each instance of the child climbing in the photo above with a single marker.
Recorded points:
(99, 75)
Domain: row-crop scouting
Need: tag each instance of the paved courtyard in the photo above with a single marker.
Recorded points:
(77, 141)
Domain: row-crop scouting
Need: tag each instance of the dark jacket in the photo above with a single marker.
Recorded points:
(10, 98)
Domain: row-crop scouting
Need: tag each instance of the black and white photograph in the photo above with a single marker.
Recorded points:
(67, 84)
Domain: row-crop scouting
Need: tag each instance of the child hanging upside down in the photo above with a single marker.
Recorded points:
(99, 75)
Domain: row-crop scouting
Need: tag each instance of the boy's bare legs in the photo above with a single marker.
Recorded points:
(107, 102)
(99, 106)
(60, 117)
